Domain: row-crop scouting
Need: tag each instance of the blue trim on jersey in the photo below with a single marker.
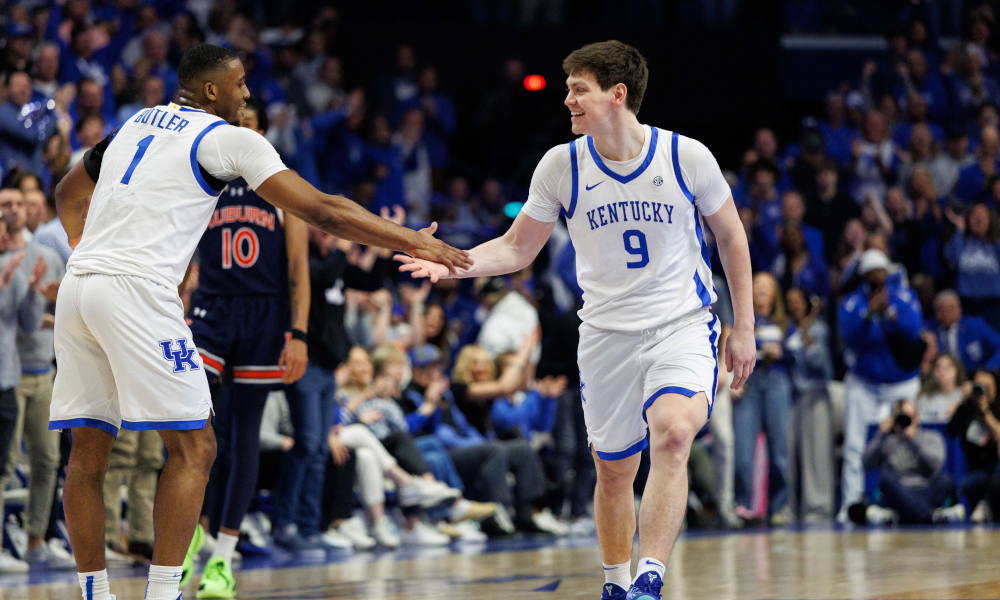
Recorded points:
(703, 294)
(631, 450)
(574, 170)
(715, 376)
(687, 194)
(633, 174)
(164, 425)
(677, 168)
(670, 389)
(194, 160)
(186, 109)
(84, 422)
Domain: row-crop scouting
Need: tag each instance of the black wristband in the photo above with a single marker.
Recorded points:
(298, 334)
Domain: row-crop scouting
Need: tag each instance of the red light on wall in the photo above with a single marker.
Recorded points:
(533, 83)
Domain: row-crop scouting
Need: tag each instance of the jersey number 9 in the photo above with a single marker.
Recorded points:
(243, 248)
(636, 249)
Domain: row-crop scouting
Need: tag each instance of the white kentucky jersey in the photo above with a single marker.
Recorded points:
(158, 177)
(641, 256)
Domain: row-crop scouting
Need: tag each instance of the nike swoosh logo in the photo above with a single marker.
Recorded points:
(590, 187)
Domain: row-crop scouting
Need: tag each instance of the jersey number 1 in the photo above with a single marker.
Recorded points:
(143, 145)
(639, 249)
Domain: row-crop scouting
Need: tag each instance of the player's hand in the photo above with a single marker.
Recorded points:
(418, 268)
(338, 451)
(9, 268)
(741, 355)
(430, 248)
(293, 361)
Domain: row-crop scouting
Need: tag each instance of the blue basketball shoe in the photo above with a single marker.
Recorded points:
(647, 587)
(613, 591)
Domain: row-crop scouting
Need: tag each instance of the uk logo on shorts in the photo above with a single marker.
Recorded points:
(182, 356)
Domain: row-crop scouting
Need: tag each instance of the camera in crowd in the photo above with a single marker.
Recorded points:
(900, 420)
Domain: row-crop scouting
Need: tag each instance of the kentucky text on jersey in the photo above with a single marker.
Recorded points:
(156, 116)
(242, 214)
(653, 212)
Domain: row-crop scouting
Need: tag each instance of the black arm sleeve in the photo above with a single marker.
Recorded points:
(93, 158)
(367, 281)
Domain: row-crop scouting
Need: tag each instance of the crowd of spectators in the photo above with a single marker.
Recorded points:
(873, 237)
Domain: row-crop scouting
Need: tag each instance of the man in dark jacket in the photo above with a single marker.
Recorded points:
(970, 339)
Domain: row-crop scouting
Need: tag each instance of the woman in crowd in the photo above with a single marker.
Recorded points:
(976, 423)
(475, 383)
(941, 391)
(808, 345)
(797, 267)
(764, 403)
(974, 253)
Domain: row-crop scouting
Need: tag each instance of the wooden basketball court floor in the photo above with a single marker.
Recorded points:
(960, 562)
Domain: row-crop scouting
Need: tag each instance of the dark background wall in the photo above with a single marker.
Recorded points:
(716, 85)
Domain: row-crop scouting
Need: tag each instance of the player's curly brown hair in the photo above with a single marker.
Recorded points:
(612, 62)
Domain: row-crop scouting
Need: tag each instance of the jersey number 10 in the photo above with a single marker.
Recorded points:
(243, 248)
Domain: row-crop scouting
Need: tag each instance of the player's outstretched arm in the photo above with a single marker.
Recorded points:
(734, 251)
(71, 201)
(346, 219)
(511, 252)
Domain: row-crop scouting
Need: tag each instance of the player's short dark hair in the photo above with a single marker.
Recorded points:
(255, 104)
(200, 62)
(611, 63)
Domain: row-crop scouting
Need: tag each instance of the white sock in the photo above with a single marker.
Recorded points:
(619, 574)
(459, 510)
(648, 565)
(163, 582)
(225, 546)
(95, 585)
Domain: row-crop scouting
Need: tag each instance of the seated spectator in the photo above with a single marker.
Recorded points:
(874, 158)
(90, 132)
(512, 317)
(976, 423)
(475, 383)
(909, 458)
(46, 69)
(483, 464)
(526, 413)
(974, 253)
(765, 205)
(798, 267)
(830, 210)
(971, 183)
(151, 94)
(808, 344)
(920, 152)
(941, 393)
(25, 126)
(763, 403)
(793, 212)
(439, 115)
(918, 79)
(905, 135)
(969, 338)
(836, 131)
(946, 166)
(906, 235)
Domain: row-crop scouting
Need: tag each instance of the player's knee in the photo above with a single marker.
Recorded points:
(616, 474)
(672, 438)
(195, 448)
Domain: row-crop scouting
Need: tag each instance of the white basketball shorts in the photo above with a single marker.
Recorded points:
(125, 357)
(623, 372)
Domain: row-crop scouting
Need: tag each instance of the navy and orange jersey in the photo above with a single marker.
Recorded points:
(243, 253)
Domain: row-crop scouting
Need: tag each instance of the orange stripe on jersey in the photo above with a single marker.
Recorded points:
(211, 362)
(257, 374)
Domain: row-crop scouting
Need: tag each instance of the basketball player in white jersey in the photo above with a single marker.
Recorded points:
(634, 197)
(125, 354)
